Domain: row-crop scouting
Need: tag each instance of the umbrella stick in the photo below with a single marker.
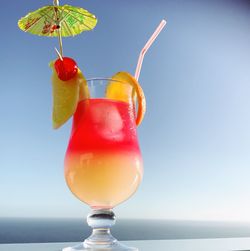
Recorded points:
(59, 32)
(60, 41)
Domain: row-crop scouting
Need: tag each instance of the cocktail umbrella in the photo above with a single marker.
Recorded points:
(58, 21)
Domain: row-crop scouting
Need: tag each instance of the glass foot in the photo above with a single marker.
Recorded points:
(115, 246)
(101, 239)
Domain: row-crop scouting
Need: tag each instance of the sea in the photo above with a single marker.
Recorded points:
(40, 230)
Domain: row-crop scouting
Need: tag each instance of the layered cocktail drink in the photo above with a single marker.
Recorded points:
(103, 163)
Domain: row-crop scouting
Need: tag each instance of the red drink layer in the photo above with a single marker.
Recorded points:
(103, 164)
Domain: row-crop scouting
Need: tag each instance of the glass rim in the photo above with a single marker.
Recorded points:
(95, 79)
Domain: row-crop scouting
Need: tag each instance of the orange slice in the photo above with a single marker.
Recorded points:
(121, 91)
(118, 90)
(66, 95)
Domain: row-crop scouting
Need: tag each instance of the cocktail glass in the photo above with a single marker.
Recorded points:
(103, 162)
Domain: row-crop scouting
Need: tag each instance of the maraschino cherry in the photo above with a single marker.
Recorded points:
(66, 68)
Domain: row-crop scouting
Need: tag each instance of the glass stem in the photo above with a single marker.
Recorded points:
(100, 220)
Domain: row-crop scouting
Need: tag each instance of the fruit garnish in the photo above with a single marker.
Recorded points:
(120, 90)
(66, 95)
(66, 68)
(83, 86)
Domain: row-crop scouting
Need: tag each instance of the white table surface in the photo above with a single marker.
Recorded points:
(220, 244)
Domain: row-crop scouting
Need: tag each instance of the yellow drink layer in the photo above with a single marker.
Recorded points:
(103, 180)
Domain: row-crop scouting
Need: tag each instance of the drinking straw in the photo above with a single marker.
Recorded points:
(146, 47)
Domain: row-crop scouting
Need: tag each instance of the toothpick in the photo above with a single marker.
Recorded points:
(58, 54)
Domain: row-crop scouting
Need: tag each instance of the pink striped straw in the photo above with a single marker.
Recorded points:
(146, 47)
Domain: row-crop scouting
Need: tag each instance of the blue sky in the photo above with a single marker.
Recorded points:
(195, 137)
